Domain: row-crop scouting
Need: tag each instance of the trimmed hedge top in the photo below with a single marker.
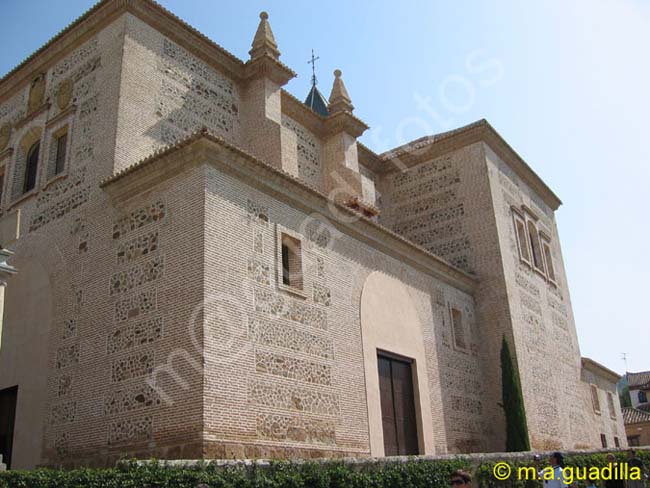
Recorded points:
(411, 473)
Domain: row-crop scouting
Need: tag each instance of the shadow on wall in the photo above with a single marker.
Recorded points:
(24, 356)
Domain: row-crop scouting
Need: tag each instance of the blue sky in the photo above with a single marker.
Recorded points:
(565, 82)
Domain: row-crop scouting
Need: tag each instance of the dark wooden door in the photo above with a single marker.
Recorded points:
(397, 406)
(7, 418)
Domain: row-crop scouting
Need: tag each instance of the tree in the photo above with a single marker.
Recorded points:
(513, 403)
(624, 397)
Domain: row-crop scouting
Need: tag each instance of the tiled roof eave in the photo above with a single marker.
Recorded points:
(633, 415)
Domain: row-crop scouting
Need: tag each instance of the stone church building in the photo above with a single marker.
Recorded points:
(197, 264)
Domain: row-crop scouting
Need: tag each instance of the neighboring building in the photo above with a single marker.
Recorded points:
(637, 426)
(266, 286)
(639, 385)
(605, 409)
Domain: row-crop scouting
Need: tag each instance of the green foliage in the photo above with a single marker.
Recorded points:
(410, 474)
(624, 397)
(485, 477)
(513, 403)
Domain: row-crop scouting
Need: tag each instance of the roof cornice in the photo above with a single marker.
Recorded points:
(205, 148)
(105, 12)
(428, 148)
(598, 368)
(76, 33)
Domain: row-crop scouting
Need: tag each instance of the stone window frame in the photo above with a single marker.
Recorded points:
(536, 255)
(533, 234)
(522, 239)
(451, 307)
(547, 254)
(63, 126)
(595, 400)
(29, 137)
(282, 234)
(611, 406)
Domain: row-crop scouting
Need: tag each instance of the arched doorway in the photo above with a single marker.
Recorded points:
(397, 386)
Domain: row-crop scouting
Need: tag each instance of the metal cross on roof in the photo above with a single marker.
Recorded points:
(312, 61)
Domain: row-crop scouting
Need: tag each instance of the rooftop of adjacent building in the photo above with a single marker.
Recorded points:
(638, 381)
(599, 369)
(633, 415)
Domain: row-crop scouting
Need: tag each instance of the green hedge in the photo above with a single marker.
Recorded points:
(309, 475)
(410, 474)
(484, 473)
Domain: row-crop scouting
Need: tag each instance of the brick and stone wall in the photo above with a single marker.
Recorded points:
(166, 93)
(180, 280)
(291, 378)
(50, 334)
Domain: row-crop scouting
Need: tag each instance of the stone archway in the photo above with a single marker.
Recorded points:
(390, 324)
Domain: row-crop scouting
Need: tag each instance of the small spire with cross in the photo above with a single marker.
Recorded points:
(312, 61)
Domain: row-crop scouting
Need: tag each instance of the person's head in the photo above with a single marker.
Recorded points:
(610, 458)
(556, 459)
(460, 479)
(537, 458)
(631, 453)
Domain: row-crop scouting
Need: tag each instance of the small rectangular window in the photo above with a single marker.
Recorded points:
(594, 399)
(603, 440)
(291, 262)
(610, 405)
(617, 443)
(522, 240)
(61, 148)
(458, 328)
(548, 258)
(634, 440)
(535, 246)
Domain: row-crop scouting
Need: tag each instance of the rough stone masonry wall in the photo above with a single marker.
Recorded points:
(134, 311)
(544, 330)
(424, 205)
(122, 282)
(434, 205)
(167, 93)
(285, 376)
(46, 346)
(309, 150)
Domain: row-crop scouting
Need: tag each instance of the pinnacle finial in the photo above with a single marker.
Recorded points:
(339, 98)
(264, 41)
